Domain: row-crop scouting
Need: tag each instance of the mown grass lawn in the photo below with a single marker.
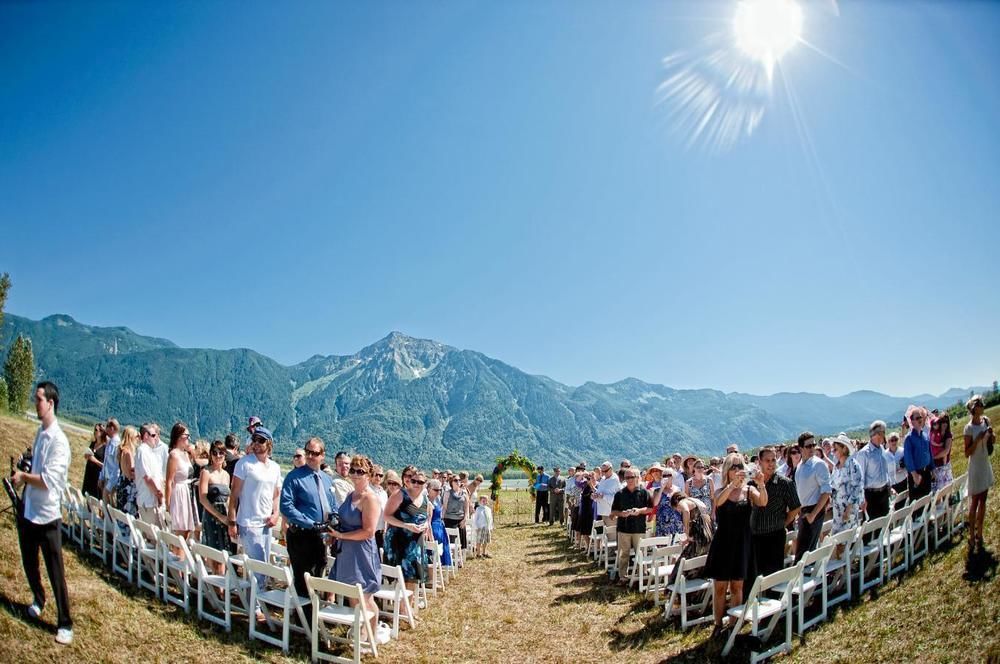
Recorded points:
(535, 601)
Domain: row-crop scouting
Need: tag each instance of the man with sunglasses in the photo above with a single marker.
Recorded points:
(149, 477)
(253, 499)
(917, 455)
(812, 482)
(630, 506)
(307, 501)
(110, 471)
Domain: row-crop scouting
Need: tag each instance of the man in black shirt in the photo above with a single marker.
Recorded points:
(630, 506)
(769, 524)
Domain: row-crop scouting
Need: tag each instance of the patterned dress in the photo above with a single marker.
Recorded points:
(668, 520)
(703, 494)
(404, 548)
(848, 485)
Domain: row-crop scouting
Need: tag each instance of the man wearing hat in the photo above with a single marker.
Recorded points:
(557, 496)
(542, 495)
(254, 498)
(876, 471)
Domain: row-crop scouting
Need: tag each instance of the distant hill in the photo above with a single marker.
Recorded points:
(406, 400)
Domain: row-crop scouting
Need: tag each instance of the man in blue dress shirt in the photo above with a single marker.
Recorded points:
(541, 495)
(812, 482)
(876, 471)
(307, 500)
(917, 456)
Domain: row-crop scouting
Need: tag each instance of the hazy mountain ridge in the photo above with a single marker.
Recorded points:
(406, 400)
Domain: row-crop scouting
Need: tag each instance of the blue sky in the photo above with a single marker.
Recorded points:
(499, 176)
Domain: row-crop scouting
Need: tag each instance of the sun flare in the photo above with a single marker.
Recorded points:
(766, 29)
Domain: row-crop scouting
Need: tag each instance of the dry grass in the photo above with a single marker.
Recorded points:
(534, 601)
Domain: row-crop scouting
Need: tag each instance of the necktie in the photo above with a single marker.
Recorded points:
(323, 503)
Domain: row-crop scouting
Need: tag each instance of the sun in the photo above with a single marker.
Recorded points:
(766, 29)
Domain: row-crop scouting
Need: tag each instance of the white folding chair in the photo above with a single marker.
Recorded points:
(329, 599)
(68, 513)
(82, 518)
(216, 591)
(279, 554)
(642, 570)
(123, 548)
(919, 528)
(662, 563)
(394, 594)
(838, 569)
(432, 552)
(178, 569)
(594, 543)
(897, 542)
(939, 519)
(279, 604)
(790, 537)
(148, 546)
(871, 556)
(825, 531)
(690, 593)
(97, 543)
(609, 548)
(900, 499)
(455, 547)
(960, 503)
(812, 579)
(763, 613)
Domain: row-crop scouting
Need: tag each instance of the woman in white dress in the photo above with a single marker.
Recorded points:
(979, 441)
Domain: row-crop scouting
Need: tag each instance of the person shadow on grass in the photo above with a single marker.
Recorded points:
(980, 567)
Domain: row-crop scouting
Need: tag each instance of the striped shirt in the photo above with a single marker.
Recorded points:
(781, 499)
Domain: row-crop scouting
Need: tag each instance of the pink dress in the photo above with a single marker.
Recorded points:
(181, 512)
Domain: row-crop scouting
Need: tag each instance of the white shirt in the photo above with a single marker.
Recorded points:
(260, 481)
(679, 481)
(382, 498)
(895, 458)
(111, 472)
(162, 452)
(482, 518)
(147, 464)
(607, 487)
(50, 459)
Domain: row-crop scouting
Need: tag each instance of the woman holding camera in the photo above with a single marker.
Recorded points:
(358, 561)
(94, 459)
(729, 553)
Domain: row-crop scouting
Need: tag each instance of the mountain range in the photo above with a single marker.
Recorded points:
(405, 400)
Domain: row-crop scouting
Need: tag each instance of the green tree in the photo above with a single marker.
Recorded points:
(4, 400)
(19, 373)
(4, 287)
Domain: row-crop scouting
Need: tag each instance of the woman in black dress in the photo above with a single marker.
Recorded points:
(94, 457)
(729, 553)
(585, 519)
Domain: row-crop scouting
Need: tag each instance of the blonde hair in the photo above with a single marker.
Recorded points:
(130, 438)
(731, 460)
(201, 449)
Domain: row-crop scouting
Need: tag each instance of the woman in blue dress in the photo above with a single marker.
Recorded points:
(406, 522)
(668, 519)
(437, 522)
(358, 562)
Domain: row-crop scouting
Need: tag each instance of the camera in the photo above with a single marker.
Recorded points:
(22, 462)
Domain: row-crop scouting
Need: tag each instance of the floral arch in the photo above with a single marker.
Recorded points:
(513, 460)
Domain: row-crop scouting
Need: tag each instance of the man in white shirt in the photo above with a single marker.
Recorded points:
(605, 493)
(254, 498)
(149, 474)
(894, 453)
(40, 523)
(342, 486)
(160, 449)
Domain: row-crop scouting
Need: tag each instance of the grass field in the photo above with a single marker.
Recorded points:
(534, 601)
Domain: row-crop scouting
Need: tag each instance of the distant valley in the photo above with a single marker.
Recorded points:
(406, 400)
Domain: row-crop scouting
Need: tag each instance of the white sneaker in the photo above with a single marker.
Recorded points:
(34, 610)
(64, 636)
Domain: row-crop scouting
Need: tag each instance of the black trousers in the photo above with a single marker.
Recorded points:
(541, 505)
(306, 553)
(48, 538)
(462, 534)
(768, 553)
(917, 492)
(808, 533)
(878, 502)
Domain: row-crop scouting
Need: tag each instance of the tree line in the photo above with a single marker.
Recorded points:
(19, 367)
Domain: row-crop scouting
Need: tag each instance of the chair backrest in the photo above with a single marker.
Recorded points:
(691, 564)
(901, 498)
(120, 518)
(146, 531)
(610, 533)
(393, 573)
(318, 587)
(452, 533)
(203, 552)
(921, 504)
(278, 574)
(665, 554)
(655, 542)
(942, 495)
(95, 505)
(764, 583)
(899, 516)
(818, 557)
(875, 525)
(168, 539)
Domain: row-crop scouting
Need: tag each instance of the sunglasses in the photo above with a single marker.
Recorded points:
(314, 453)
(258, 441)
(297, 456)
(394, 484)
(418, 482)
(796, 452)
(357, 471)
(218, 453)
(736, 467)
(379, 474)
